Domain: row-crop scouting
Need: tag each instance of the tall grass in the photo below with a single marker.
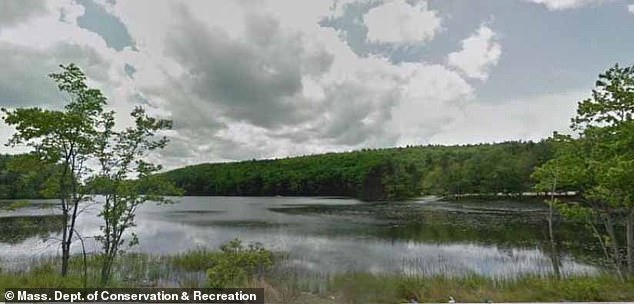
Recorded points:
(363, 287)
(287, 285)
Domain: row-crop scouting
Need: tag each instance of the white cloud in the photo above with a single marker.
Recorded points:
(16, 11)
(432, 95)
(246, 79)
(630, 8)
(526, 118)
(479, 51)
(327, 99)
(251, 80)
(35, 46)
(566, 4)
(397, 21)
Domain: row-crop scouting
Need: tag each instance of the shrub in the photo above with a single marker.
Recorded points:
(237, 264)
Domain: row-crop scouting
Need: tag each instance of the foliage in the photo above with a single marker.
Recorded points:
(195, 260)
(599, 164)
(381, 174)
(121, 155)
(69, 140)
(26, 176)
(238, 264)
(63, 137)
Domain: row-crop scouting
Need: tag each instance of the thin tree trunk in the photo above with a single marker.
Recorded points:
(108, 240)
(68, 236)
(629, 233)
(606, 253)
(65, 252)
(106, 270)
(616, 256)
(553, 250)
(64, 203)
(66, 244)
(83, 249)
(553, 247)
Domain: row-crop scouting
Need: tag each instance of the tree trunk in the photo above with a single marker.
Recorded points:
(616, 255)
(553, 246)
(105, 270)
(65, 248)
(629, 233)
(65, 258)
(106, 267)
(83, 250)
(64, 205)
(605, 249)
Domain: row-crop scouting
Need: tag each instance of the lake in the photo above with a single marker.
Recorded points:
(324, 236)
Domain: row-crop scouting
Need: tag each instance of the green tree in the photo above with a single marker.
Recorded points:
(552, 178)
(64, 137)
(121, 156)
(26, 176)
(82, 133)
(600, 164)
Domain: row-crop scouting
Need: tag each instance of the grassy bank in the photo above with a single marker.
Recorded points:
(363, 287)
(190, 270)
(368, 288)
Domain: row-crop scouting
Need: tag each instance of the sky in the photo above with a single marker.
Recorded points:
(245, 79)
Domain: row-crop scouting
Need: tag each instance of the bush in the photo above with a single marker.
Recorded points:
(582, 290)
(237, 264)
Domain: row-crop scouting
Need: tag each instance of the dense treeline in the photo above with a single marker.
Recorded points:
(369, 176)
(24, 176)
(382, 174)
(481, 169)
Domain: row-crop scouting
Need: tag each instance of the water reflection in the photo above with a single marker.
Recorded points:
(326, 236)
(17, 229)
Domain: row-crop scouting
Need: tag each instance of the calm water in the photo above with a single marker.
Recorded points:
(323, 236)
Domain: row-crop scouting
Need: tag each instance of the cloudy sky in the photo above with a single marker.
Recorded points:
(245, 79)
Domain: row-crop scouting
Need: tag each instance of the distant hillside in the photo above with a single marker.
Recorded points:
(382, 174)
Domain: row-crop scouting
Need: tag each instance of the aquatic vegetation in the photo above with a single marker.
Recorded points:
(237, 264)
(364, 287)
(195, 260)
(283, 285)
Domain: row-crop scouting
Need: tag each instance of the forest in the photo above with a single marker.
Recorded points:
(24, 176)
(369, 174)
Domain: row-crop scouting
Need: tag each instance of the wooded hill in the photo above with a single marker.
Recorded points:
(381, 174)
